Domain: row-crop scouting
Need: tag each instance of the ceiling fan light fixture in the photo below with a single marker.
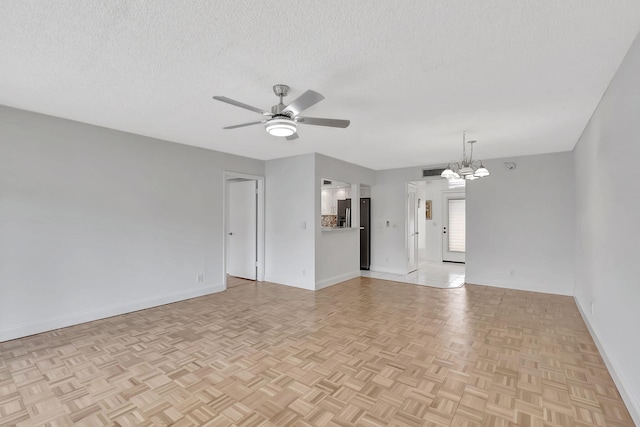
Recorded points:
(281, 126)
(283, 119)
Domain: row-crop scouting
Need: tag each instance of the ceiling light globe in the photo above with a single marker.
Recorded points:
(281, 126)
(470, 177)
(447, 173)
(481, 172)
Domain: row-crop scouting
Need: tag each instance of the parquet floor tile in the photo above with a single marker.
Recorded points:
(366, 352)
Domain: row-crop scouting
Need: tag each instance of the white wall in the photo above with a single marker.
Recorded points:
(388, 212)
(96, 222)
(608, 206)
(522, 220)
(291, 220)
(337, 253)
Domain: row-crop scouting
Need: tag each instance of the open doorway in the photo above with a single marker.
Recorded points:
(244, 229)
(412, 227)
(439, 214)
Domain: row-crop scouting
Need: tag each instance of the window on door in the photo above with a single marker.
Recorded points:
(457, 225)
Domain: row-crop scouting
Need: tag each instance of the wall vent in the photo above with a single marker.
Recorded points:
(431, 172)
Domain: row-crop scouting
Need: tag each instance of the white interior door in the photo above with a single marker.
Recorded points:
(412, 228)
(241, 231)
(454, 228)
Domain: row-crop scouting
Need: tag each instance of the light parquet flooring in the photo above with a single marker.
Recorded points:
(363, 352)
(233, 281)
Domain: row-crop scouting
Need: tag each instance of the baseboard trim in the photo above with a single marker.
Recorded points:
(633, 406)
(515, 285)
(25, 330)
(336, 279)
(282, 282)
(387, 270)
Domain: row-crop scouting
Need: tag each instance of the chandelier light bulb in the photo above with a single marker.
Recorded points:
(447, 173)
(481, 172)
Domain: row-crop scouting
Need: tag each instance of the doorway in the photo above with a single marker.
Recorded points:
(453, 227)
(242, 256)
(243, 227)
(412, 227)
(425, 221)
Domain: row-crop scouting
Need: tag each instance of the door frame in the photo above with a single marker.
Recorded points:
(227, 176)
(446, 196)
(407, 240)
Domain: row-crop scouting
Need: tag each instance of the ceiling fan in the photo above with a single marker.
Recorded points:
(283, 119)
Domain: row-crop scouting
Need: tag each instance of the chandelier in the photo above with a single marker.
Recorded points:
(467, 169)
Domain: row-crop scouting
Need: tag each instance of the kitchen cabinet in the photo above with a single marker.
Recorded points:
(331, 192)
(328, 202)
(330, 197)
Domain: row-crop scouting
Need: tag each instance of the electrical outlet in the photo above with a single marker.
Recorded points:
(591, 308)
(201, 278)
(512, 274)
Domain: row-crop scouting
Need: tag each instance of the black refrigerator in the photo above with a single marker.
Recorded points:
(365, 233)
(344, 213)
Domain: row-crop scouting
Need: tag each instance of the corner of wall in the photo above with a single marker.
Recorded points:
(623, 387)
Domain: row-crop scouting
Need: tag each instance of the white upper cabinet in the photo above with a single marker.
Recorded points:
(330, 194)
(328, 201)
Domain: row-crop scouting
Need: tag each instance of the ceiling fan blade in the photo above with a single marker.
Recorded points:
(334, 123)
(240, 104)
(303, 102)
(292, 137)
(244, 124)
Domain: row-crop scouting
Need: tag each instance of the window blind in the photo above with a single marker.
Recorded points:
(457, 226)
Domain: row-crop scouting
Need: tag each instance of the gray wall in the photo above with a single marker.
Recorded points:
(96, 222)
(522, 220)
(389, 203)
(290, 215)
(337, 255)
(608, 234)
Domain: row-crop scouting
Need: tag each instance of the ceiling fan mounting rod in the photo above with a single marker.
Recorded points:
(281, 91)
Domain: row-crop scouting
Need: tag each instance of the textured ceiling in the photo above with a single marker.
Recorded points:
(522, 77)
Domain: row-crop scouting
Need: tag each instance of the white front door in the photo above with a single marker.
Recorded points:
(412, 228)
(453, 228)
(241, 231)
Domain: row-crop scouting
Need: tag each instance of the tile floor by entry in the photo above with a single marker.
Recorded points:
(429, 273)
(365, 352)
